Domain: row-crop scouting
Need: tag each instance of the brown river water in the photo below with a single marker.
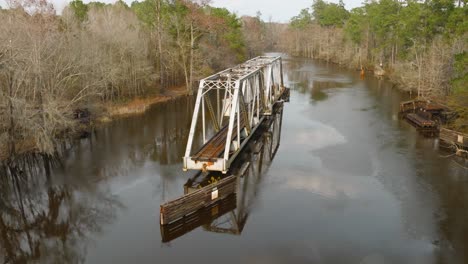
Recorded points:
(350, 183)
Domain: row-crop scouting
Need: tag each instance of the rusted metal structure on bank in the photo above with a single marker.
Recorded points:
(229, 107)
(427, 116)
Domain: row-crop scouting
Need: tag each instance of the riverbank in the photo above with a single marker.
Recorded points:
(138, 105)
(101, 114)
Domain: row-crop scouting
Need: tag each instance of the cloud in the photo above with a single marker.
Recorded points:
(278, 10)
(319, 136)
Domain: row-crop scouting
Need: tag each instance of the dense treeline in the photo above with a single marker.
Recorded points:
(421, 45)
(94, 53)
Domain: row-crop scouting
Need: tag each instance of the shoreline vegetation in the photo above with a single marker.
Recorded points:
(139, 105)
(109, 112)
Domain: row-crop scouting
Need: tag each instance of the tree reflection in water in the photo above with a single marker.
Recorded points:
(43, 219)
(52, 207)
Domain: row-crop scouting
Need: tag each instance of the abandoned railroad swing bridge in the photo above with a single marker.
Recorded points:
(244, 97)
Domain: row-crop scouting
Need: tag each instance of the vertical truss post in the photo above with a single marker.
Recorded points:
(231, 126)
(203, 119)
(281, 71)
(193, 125)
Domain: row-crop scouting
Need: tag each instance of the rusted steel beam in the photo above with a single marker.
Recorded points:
(215, 146)
(420, 121)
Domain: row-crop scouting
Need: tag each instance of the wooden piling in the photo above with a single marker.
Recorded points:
(190, 203)
(201, 217)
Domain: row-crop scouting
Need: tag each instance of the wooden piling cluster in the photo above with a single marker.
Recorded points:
(203, 216)
(192, 202)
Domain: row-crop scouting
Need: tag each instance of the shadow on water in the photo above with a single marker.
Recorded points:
(229, 215)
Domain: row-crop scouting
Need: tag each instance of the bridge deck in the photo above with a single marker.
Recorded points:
(215, 146)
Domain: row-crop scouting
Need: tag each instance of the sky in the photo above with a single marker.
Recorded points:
(277, 10)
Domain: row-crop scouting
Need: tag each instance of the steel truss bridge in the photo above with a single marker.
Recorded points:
(229, 107)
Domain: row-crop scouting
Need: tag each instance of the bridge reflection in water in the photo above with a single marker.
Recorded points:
(229, 214)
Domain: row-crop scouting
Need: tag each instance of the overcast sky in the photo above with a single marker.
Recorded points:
(278, 10)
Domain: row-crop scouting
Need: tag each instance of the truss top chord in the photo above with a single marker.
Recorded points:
(243, 70)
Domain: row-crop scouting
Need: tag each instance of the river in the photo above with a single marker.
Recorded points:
(350, 183)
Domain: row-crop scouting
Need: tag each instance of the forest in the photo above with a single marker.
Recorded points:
(52, 64)
(421, 45)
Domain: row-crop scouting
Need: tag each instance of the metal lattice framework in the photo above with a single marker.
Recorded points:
(243, 97)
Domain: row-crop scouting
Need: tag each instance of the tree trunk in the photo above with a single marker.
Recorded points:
(192, 47)
(161, 74)
(11, 129)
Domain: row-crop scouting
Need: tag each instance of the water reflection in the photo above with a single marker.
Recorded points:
(52, 208)
(372, 170)
(229, 215)
(351, 181)
(315, 85)
(45, 220)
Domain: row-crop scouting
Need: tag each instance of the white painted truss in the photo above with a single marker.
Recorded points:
(231, 105)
